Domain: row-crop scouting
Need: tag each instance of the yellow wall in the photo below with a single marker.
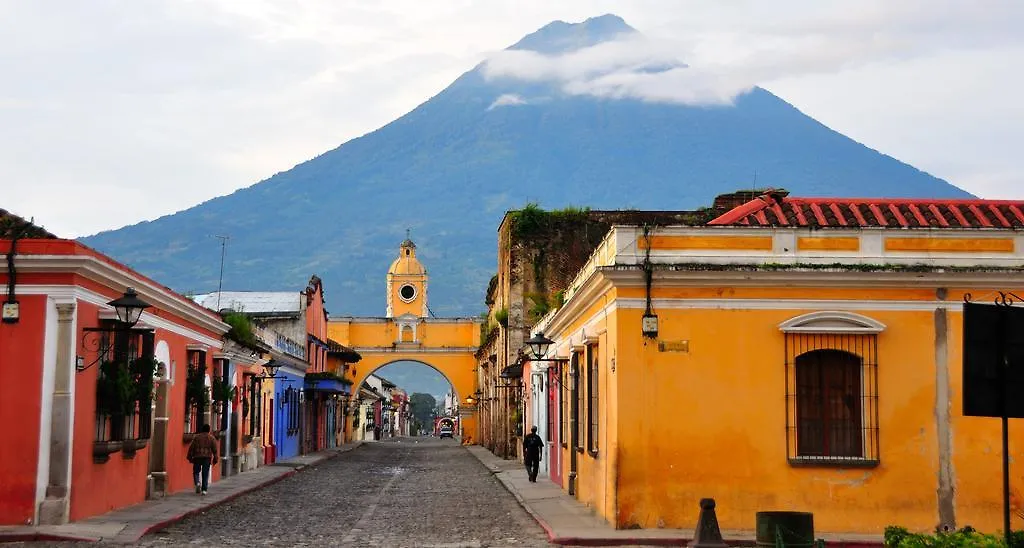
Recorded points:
(710, 422)
(445, 345)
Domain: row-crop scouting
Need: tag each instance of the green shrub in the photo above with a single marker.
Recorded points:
(501, 316)
(900, 537)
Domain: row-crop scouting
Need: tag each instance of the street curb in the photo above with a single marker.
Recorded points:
(156, 527)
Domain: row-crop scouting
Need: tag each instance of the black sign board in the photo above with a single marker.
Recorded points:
(993, 361)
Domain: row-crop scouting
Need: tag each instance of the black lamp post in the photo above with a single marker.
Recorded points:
(539, 345)
(129, 308)
(270, 369)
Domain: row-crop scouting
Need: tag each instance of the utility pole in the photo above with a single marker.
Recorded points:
(220, 279)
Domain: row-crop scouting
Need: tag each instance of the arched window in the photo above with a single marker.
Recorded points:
(832, 389)
(407, 335)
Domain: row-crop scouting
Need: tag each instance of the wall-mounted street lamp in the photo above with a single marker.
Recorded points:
(270, 369)
(128, 308)
(538, 346)
(473, 398)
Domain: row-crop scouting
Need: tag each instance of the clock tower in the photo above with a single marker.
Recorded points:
(407, 284)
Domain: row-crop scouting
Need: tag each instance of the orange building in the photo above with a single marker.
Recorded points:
(792, 354)
(78, 443)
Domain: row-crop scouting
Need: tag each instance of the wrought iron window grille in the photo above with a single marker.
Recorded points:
(832, 399)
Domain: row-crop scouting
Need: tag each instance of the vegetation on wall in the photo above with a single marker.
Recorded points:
(531, 222)
(492, 286)
(115, 391)
(539, 305)
(141, 371)
(196, 395)
(241, 328)
(119, 385)
(221, 391)
(501, 316)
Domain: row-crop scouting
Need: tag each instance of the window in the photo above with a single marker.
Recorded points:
(196, 395)
(574, 418)
(832, 398)
(593, 408)
(564, 398)
(551, 382)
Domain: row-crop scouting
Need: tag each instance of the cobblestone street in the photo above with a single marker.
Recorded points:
(415, 492)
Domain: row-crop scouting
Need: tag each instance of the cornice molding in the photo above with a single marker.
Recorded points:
(107, 274)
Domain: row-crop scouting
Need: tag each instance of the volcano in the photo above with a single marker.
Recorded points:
(449, 170)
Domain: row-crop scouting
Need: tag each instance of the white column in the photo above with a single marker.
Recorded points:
(57, 418)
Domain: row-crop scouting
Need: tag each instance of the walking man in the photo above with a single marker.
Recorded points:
(202, 453)
(532, 445)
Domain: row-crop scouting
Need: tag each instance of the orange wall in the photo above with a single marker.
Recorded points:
(21, 367)
(710, 423)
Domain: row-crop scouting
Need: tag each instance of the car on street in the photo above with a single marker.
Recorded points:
(446, 432)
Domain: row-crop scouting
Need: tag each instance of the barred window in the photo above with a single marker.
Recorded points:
(832, 398)
(563, 399)
(575, 404)
(592, 399)
(551, 381)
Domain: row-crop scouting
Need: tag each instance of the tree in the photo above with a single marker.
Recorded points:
(422, 407)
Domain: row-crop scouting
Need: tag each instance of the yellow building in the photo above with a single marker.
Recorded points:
(409, 332)
(792, 354)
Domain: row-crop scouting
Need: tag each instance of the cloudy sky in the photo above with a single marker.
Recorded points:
(117, 111)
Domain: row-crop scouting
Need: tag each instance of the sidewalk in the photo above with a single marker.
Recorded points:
(128, 525)
(567, 521)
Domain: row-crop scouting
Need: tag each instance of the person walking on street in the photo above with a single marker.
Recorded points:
(202, 453)
(532, 445)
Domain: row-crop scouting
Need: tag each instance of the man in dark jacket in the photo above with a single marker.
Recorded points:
(202, 453)
(532, 445)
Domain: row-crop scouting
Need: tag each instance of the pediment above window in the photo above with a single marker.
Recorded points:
(829, 321)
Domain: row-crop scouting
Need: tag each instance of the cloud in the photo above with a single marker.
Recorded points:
(507, 99)
(713, 68)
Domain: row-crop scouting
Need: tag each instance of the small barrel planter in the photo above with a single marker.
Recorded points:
(788, 529)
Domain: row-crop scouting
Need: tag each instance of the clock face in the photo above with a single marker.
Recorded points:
(407, 292)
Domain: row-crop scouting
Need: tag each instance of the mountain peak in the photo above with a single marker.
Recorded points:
(561, 37)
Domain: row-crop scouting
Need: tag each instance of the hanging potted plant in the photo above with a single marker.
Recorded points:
(115, 398)
(197, 399)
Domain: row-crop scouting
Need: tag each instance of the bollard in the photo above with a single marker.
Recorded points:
(707, 534)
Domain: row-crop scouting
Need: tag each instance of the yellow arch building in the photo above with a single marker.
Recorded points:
(407, 332)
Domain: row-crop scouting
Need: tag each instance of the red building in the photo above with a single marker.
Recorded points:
(98, 414)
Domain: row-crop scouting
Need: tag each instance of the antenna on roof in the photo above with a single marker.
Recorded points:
(220, 279)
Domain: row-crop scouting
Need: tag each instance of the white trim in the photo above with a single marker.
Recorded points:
(48, 377)
(831, 321)
(415, 292)
(74, 292)
(198, 346)
(790, 304)
(110, 275)
(390, 350)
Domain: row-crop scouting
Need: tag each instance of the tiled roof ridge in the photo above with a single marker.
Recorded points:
(777, 209)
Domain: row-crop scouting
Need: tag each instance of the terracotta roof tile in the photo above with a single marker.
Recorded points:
(778, 209)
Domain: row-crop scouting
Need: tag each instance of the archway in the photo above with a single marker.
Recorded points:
(447, 345)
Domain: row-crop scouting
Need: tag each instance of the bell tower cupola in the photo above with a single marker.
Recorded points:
(407, 283)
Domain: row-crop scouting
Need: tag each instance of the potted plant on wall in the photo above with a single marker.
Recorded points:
(140, 374)
(197, 401)
(222, 393)
(114, 400)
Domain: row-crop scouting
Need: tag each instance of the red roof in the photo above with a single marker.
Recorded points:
(778, 209)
